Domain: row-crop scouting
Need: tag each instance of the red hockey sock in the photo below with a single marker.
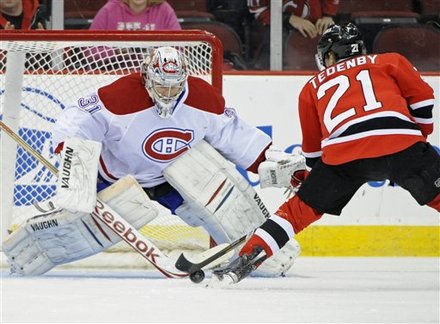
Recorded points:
(298, 213)
(435, 203)
(254, 242)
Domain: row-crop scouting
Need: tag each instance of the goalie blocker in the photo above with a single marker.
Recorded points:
(218, 198)
(77, 175)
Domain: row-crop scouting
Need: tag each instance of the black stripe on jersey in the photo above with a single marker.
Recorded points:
(423, 112)
(276, 231)
(378, 124)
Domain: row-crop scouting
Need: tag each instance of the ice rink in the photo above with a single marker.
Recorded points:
(317, 290)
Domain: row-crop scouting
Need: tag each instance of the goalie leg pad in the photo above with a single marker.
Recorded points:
(280, 262)
(219, 199)
(61, 236)
(45, 241)
(216, 195)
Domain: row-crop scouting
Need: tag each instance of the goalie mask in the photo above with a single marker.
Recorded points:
(164, 74)
(344, 41)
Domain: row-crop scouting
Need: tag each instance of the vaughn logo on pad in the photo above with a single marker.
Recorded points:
(76, 186)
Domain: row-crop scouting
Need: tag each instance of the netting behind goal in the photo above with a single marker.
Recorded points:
(41, 72)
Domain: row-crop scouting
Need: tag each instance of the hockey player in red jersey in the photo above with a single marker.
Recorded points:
(364, 117)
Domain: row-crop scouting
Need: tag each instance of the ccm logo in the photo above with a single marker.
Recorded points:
(124, 231)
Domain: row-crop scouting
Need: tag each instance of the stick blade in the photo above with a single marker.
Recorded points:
(205, 260)
(184, 265)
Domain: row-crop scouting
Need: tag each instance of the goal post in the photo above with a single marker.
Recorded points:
(41, 72)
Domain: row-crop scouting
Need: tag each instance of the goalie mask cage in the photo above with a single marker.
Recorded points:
(41, 73)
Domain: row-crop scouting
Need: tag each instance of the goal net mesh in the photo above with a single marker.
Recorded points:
(57, 72)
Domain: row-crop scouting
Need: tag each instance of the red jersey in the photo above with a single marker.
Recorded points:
(30, 19)
(364, 107)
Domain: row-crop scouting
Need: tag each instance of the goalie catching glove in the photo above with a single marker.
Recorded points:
(281, 170)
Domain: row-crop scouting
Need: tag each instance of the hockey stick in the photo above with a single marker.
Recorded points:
(113, 220)
(183, 264)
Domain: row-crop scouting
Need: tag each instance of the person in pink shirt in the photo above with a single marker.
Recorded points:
(136, 15)
(130, 15)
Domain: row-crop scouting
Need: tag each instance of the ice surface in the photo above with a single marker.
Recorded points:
(317, 290)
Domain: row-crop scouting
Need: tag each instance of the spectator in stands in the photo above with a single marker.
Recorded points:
(309, 17)
(130, 15)
(20, 14)
(136, 15)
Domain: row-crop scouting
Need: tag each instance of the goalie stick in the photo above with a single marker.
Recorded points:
(185, 265)
(113, 220)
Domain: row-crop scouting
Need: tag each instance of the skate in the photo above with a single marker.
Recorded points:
(240, 268)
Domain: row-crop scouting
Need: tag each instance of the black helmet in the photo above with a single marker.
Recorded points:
(344, 41)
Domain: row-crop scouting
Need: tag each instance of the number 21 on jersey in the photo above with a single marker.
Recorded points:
(342, 82)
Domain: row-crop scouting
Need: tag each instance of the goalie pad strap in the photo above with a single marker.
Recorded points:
(159, 190)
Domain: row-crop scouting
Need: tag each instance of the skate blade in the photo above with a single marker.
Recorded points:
(226, 281)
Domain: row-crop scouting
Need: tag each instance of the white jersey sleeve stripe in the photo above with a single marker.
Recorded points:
(421, 104)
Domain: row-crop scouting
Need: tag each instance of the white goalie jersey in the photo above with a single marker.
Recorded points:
(136, 141)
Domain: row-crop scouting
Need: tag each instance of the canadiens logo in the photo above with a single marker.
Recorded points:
(170, 67)
(164, 145)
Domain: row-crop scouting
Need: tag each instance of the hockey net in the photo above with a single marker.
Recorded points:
(41, 72)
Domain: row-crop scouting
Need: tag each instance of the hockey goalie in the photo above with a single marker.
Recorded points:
(155, 137)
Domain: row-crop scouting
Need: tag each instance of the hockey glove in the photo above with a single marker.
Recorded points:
(278, 168)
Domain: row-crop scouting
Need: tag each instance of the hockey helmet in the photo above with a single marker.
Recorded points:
(344, 41)
(164, 73)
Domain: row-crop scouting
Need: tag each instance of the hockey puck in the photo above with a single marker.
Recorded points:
(197, 277)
